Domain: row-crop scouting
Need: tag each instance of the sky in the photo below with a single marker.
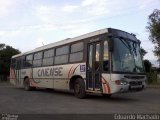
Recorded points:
(28, 24)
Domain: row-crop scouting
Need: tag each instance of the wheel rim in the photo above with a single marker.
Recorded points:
(77, 88)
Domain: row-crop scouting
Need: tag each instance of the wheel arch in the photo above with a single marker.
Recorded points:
(25, 78)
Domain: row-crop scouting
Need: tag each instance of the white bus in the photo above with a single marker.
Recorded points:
(106, 61)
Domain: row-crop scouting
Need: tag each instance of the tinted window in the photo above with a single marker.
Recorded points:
(105, 56)
(47, 61)
(75, 57)
(38, 56)
(49, 53)
(77, 47)
(18, 63)
(97, 60)
(62, 50)
(29, 57)
(22, 61)
(28, 61)
(61, 59)
(90, 56)
(37, 63)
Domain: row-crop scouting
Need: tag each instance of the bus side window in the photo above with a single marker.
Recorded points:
(22, 62)
(28, 60)
(105, 57)
(48, 58)
(13, 63)
(76, 54)
(62, 54)
(37, 60)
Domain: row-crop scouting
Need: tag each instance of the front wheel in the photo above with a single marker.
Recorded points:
(79, 88)
(27, 84)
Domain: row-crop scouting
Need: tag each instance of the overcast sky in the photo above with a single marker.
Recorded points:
(27, 24)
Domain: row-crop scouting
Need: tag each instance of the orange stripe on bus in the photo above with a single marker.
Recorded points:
(70, 71)
(75, 69)
(12, 75)
(104, 88)
(32, 83)
(109, 90)
(30, 80)
(107, 85)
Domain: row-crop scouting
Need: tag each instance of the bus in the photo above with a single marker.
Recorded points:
(105, 61)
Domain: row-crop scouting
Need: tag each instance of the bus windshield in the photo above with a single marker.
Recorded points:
(126, 56)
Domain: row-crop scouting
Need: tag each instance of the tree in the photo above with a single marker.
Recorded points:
(6, 52)
(147, 65)
(143, 52)
(154, 30)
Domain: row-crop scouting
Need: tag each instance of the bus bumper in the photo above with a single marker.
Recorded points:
(130, 87)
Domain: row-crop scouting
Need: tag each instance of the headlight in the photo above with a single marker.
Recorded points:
(121, 82)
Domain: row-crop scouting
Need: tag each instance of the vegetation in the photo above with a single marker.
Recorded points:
(154, 30)
(6, 52)
(148, 65)
(143, 52)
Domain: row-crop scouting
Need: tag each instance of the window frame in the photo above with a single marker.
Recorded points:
(37, 59)
(109, 56)
(74, 44)
(44, 58)
(47, 51)
(81, 41)
(66, 45)
(29, 60)
(61, 63)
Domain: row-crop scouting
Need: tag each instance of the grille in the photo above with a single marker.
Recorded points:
(134, 77)
(135, 83)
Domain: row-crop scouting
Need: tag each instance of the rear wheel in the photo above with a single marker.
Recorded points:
(27, 84)
(79, 88)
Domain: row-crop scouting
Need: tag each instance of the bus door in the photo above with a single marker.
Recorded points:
(93, 66)
(18, 72)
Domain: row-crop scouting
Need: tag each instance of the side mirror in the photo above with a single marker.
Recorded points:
(111, 43)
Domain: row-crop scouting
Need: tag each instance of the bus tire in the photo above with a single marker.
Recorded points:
(79, 88)
(27, 84)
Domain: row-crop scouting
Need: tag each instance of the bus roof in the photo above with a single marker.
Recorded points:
(115, 32)
(65, 41)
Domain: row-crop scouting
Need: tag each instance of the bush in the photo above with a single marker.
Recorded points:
(152, 77)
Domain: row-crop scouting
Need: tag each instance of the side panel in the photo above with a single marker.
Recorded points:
(26, 73)
(57, 77)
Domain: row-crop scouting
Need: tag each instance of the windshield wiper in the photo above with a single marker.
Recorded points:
(134, 48)
(126, 44)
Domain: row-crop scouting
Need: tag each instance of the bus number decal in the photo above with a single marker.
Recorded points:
(82, 68)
